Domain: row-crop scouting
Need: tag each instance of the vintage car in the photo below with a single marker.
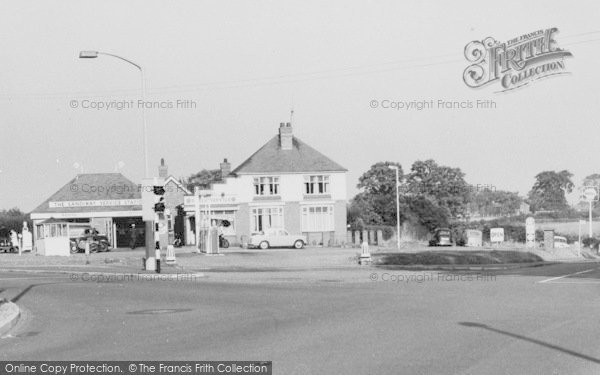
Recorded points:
(441, 237)
(6, 245)
(560, 242)
(98, 242)
(276, 238)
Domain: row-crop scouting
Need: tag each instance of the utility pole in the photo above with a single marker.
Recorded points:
(397, 206)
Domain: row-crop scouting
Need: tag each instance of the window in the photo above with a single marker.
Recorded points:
(265, 218)
(317, 218)
(316, 184)
(266, 185)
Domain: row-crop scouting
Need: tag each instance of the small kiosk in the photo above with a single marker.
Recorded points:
(53, 237)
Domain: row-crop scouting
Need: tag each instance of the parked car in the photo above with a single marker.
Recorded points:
(560, 242)
(6, 245)
(276, 238)
(98, 242)
(441, 237)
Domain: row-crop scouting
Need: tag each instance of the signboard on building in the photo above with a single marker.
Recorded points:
(474, 238)
(95, 203)
(217, 200)
(189, 201)
(497, 234)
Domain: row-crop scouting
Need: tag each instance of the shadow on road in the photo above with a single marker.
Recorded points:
(525, 338)
(24, 291)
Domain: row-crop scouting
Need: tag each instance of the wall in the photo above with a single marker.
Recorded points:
(339, 212)
(173, 196)
(242, 218)
(292, 217)
(291, 186)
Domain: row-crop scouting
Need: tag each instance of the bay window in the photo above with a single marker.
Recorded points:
(317, 218)
(266, 217)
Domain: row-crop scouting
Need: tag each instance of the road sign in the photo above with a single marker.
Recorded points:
(497, 234)
(530, 232)
(590, 193)
(530, 222)
(474, 238)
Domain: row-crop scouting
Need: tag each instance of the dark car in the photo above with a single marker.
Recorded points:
(441, 237)
(5, 241)
(98, 242)
(6, 245)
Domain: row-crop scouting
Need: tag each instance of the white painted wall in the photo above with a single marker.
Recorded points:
(291, 187)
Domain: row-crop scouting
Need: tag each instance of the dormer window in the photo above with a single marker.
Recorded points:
(318, 184)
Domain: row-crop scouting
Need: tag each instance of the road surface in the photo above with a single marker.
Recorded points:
(369, 321)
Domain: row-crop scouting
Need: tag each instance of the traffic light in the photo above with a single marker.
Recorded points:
(159, 200)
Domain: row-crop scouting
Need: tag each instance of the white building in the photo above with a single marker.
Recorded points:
(284, 184)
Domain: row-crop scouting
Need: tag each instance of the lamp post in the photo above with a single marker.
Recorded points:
(149, 226)
(397, 206)
(95, 54)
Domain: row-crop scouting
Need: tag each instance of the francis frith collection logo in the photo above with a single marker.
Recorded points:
(514, 63)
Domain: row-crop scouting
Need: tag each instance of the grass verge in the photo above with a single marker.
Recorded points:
(455, 258)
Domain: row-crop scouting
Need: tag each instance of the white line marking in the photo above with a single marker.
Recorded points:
(571, 274)
(32, 278)
(576, 282)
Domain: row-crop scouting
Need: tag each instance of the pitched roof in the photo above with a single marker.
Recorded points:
(94, 187)
(270, 158)
(178, 183)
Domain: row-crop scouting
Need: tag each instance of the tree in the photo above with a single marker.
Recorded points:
(487, 202)
(548, 191)
(444, 186)
(203, 179)
(592, 180)
(425, 210)
(13, 220)
(375, 204)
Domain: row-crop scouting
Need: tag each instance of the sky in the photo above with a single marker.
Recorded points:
(246, 65)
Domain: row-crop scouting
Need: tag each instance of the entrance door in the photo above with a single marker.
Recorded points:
(128, 228)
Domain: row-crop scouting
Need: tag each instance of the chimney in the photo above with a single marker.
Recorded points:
(225, 168)
(163, 170)
(285, 136)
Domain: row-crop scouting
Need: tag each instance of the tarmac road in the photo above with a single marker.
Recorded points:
(373, 321)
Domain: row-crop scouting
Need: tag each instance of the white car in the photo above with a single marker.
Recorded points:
(560, 242)
(276, 238)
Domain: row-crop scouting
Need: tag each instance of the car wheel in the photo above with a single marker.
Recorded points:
(103, 246)
(299, 244)
(264, 245)
(93, 248)
(74, 248)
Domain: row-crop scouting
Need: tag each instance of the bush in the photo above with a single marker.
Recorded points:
(388, 233)
(594, 241)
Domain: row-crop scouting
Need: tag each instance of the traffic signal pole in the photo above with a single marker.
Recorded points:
(152, 205)
(150, 260)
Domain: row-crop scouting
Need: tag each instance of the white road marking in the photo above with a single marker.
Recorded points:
(32, 278)
(576, 282)
(562, 277)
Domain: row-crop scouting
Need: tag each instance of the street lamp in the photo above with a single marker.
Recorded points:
(397, 206)
(149, 226)
(95, 54)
